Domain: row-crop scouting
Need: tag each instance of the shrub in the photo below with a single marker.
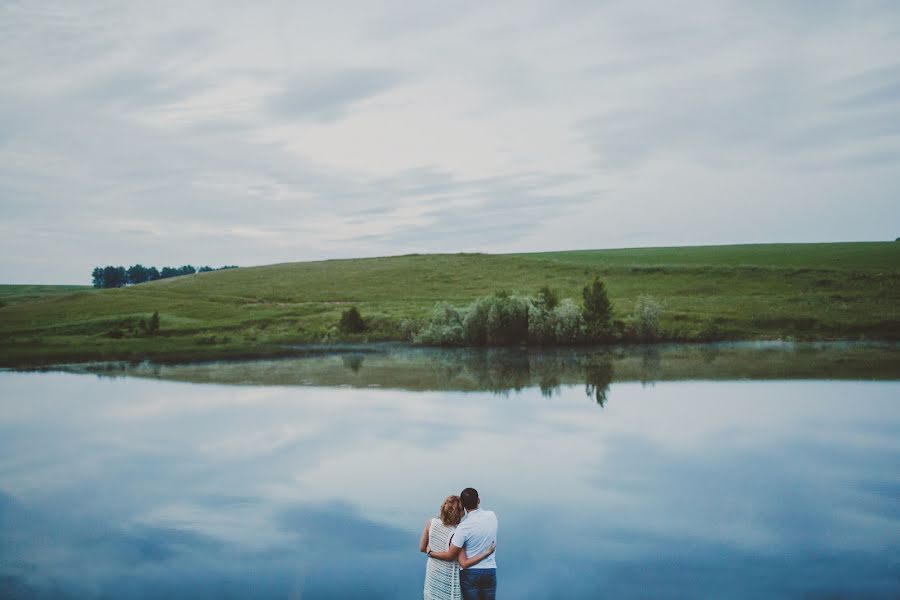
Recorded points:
(445, 328)
(547, 298)
(541, 324)
(597, 309)
(499, 320)
(153, 324)
(568, 323)
(507, 320)
(409, 328)
(352, 321)
(645, 318)
(474, 320)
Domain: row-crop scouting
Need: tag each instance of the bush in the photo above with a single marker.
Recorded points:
(153, 325)
(409, 329)
(597, 309)
(568, 323)
(507, 320)
(352, 321)
(541, 325)
(445, 328)
(645, 318)
(499, 320)
(547, 298)
(503, 320)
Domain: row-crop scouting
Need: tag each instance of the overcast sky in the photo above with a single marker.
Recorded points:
(254, 133)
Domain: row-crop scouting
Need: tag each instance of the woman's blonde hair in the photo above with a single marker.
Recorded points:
(451, 511)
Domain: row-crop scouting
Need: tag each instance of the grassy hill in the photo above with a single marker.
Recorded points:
(773, 291)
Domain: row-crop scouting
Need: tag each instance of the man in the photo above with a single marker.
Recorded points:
(476, 533)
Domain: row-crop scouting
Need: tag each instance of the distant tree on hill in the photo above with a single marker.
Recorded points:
(114, 277)
(110, 277)
(136, 274)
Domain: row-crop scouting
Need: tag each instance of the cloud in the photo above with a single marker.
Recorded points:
(327, 96)
(287, 132)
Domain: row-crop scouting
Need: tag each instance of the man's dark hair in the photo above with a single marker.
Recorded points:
(469, 497)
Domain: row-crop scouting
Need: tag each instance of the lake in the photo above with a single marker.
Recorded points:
(733, 471)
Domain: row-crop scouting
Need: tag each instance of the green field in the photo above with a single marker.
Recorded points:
(773, 291)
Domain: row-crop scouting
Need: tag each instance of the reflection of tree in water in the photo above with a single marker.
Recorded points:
(549, 384)
(598, 375)
(709, 352)
(498, 370)
(353, 361)
(502, 370)
(651, 365)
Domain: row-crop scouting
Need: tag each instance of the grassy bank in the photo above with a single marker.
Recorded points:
(778, 291)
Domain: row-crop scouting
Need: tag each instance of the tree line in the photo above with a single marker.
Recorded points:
(114, 277)
(506, 319)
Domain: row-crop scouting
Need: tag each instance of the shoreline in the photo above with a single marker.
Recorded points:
(314, 350)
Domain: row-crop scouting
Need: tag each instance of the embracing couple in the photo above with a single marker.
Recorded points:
(460, 550)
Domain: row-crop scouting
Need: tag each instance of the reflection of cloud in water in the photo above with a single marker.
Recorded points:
(337, 527)
(133, 488)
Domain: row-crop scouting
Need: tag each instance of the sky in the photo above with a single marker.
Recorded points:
(264, 132)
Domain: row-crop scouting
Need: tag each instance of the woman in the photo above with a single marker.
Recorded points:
(442, 576)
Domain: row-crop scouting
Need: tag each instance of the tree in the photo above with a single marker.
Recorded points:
(352, 321)
(597, 308)
(114, 277)
(168, 272)
(548, 298)
(187, 270)
(205, 269)
(136, 274)
(153, 325)
(152, 274)
(97, 277)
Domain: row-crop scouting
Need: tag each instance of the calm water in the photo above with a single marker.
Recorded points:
(611, 474)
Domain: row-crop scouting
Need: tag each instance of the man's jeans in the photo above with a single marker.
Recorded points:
(478, 584)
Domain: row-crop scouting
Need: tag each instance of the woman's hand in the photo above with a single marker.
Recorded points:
(467, 562)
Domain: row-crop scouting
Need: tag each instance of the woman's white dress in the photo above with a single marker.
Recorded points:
(441, 576)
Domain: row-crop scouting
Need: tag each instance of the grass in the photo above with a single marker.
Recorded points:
(774, 291)
(14, 294)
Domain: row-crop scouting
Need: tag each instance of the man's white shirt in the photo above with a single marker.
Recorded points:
(476, 533)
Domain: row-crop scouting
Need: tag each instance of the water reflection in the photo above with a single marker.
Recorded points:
(506, 370)
(353, 361)
(120, 487)
(599, 375)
